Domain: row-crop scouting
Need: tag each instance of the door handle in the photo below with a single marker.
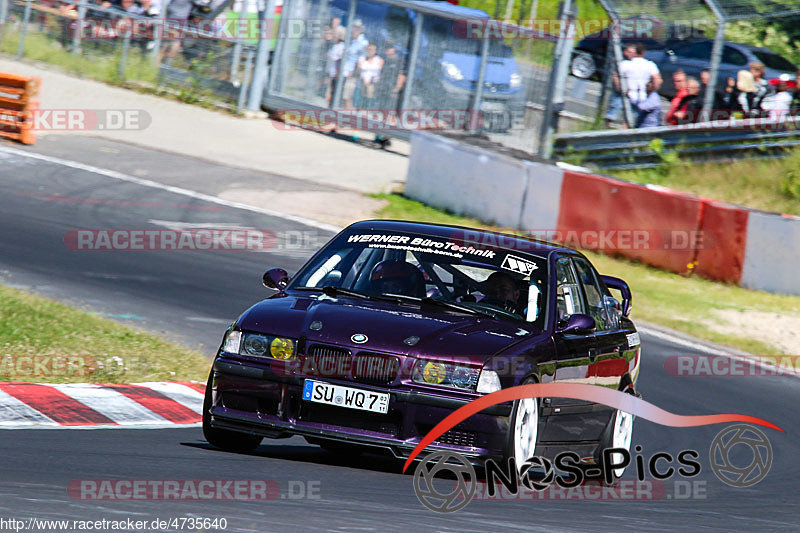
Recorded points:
(592, 354)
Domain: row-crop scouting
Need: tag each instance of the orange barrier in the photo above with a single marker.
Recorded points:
(652, 226)
(18, 104)
(723, 230)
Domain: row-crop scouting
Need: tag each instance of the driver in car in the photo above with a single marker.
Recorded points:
(397, 277)
(502, 291)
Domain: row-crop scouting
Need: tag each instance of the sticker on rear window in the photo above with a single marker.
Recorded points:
(518, 265)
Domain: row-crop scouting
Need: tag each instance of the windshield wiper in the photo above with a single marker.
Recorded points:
(459, 307)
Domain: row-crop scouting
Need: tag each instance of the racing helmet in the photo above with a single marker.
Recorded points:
(397, 277)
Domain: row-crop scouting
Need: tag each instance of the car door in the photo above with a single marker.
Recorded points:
(609, 364)
(575, 351)
(568, 419)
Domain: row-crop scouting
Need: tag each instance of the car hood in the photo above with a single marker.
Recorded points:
(387, 326)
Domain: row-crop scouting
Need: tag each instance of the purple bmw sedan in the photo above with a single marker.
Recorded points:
(393, 325)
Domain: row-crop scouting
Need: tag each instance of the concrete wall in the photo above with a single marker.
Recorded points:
(754, 249)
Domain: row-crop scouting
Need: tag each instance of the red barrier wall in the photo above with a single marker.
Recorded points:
(723, 230)
(668, 221)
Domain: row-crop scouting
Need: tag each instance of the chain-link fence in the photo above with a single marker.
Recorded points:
(188, 57)
(413, 65)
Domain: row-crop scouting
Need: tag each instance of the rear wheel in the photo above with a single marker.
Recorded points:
(230, 441)
(619, 435)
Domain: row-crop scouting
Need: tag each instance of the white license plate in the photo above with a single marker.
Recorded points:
(328, 393)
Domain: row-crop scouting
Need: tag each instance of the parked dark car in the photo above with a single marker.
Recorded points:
(393, 325)
(693, 56)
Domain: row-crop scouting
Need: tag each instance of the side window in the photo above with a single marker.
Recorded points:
(700, 50)
(594, 294)
(732, 56)
(568, 296)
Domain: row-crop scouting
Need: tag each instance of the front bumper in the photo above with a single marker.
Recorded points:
(257, 400)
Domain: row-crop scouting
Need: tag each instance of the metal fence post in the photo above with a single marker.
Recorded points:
(558, 79)
(76, 37)
(3, 15)
(123, 60)
(25, 19)
(716, 58)
(261, 71)
(411, 71)
(278, 56)
(237, 46)
(476, 102)
(336, 101)
(248, 70)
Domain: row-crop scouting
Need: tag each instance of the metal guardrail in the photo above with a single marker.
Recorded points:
(717, 141)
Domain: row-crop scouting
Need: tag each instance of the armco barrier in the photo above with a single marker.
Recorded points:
(17, 106)
(772, 253)
(723, 238)
(754, 249)
(596, 203)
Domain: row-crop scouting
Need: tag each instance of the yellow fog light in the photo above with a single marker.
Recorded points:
(434, 372)
(281, 348)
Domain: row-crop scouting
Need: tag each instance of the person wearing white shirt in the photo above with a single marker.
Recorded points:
(638, 72)
(778, 104)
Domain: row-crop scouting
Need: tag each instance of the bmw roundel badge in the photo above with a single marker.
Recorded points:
(359, 338)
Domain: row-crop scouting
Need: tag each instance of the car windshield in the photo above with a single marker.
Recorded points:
(774, 61)
(458, 275)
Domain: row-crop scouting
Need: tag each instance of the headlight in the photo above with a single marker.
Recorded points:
(445, 374)
(516, 80)
(257, 345)
(452, 71)
(488, 382)
(233, 339)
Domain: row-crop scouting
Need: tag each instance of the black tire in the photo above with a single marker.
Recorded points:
(230, 441)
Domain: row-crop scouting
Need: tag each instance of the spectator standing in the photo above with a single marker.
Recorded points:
(615, 105)
(778, 104)
(369, 70)
(757, 69)
(717, 103)
(648, 109)
(178, 11)
(357, 47)
(638, 72)
(333, 62)
(690, 106)
(679, 82)
(393, 78)
(746, 87)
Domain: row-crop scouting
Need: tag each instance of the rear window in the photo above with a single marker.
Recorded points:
(774, 61)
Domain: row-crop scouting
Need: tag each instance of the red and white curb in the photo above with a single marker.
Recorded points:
(87, 406)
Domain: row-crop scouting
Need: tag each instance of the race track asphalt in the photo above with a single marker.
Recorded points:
(190, 296)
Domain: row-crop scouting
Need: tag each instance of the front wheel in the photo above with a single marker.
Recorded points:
(523, 429)
(582, 65)
(230, 441)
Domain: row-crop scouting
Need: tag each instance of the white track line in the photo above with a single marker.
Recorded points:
(177, 190)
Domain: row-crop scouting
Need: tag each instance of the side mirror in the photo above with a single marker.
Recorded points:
(577, 324)
(627, 298)
(276, 278)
